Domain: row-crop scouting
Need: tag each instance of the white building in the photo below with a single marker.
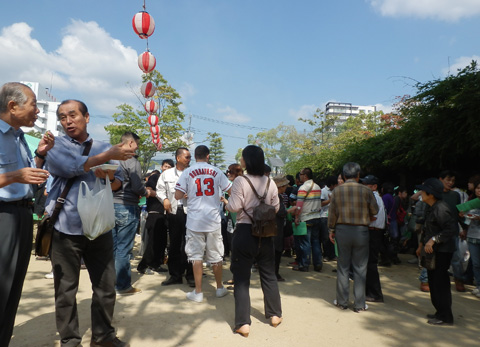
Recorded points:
(47, 104)
(345, 111)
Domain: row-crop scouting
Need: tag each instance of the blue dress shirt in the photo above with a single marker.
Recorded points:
(14, 155)
(65, 160)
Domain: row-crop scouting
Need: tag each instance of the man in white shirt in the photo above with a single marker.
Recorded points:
(373, 288)
(200, 185)
(176, 216)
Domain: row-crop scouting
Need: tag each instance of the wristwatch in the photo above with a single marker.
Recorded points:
(435, 239)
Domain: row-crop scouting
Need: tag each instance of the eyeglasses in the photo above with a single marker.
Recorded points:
(228, 172)
(301, 174)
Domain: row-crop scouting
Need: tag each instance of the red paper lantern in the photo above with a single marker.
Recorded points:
(146, 62)
(143, 24)
(148, 89)
(155, 130)
(159, 146)
(156, 140)
(151, 106)
(152, 120)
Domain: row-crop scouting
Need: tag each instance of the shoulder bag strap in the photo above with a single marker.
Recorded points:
(61, 199)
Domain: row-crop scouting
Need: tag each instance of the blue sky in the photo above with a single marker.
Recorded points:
(249, 62)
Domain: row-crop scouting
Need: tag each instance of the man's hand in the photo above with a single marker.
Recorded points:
(120, 152)
(46, 143)
(331, 236)
(105, 174)
(167, 205)
(27, 175)
(418, 252)
(429, 246)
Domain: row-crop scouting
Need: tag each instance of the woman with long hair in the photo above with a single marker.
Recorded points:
(247, 248)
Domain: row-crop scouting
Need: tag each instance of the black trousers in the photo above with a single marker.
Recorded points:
(156, 230)
(67, 251)
(177, 258)
(439, 283)
(373, 287)
(16, 228)
(245, 250)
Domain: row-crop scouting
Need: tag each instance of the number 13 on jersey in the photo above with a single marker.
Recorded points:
(206, 187)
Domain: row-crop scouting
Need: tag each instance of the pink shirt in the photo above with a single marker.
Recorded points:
(243, 197)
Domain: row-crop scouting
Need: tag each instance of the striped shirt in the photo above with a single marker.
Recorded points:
(310, 204)
(352, 204)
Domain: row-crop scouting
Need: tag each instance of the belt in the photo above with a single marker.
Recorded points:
(23, 203)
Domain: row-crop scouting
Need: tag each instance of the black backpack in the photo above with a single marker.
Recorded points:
(263, 220)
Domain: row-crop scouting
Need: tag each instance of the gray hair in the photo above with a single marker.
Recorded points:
(351, 170)
(12, 91)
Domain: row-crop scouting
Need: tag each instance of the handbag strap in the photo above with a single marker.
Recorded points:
(61, 199)
(261, 198)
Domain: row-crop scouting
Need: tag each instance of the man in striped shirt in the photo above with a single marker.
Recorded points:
(308, 209)
(352, 208)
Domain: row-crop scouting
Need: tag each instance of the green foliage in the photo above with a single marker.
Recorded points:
(170, 118)
(217, 151)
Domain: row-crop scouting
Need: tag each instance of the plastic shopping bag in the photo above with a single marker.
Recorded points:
(95, 208)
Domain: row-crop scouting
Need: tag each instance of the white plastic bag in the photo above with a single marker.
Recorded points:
(95, 208)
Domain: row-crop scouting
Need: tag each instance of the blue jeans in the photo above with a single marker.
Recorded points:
(423, 275)
(310, 243)
(456, 262)
(474, 249)
(126, 222)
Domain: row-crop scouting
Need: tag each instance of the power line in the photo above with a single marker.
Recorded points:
(227, 123)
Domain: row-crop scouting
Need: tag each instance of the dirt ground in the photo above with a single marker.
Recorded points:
(162, 316)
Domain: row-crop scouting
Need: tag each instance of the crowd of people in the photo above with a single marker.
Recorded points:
(197, 213)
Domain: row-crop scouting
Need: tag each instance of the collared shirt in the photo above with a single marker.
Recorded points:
(65, 160)
(309, 194)
(352, 204)
(379, 223)
(166, 187)
(14, 155)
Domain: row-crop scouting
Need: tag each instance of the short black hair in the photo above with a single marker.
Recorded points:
(268, 169)
(291, 180)
(387, 188)
(254, 159)
(81, 106)
(169, 162)
(180, 151)
(446, 173)
(308, 172)
(332, 180)
(201, 152)
(128, 135)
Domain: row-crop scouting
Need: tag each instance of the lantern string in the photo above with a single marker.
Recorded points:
(144, 7)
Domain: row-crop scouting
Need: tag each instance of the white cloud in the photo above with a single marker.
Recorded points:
(305, 111)
(229, 114)
(384, 108)
(89, 64)
(460, 63)
(447, 10)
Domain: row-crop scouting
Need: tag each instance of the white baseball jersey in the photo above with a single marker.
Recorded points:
(202, 183)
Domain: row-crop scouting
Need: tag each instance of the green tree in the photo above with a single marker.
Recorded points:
(170, 118)
(217, 151)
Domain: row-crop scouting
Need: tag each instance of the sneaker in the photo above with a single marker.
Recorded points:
(131, 291)
(474, 292)
(412, 261)
(116, 342)
(194, 296)
(221, 292)
(49, 276)
(357, 310)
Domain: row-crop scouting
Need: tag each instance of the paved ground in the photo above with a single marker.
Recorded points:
(161, 316)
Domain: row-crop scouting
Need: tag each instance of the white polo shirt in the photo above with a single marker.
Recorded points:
(203, 183)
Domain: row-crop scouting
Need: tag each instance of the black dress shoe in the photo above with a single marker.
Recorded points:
(141, 270)
(171, 281)
(280, 278)
(159, 269)
(317, 268)
(372, 299)
(436, 321)
(301, 269)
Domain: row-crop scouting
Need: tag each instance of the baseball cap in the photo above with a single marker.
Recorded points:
(369, 179)
(432, 186)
